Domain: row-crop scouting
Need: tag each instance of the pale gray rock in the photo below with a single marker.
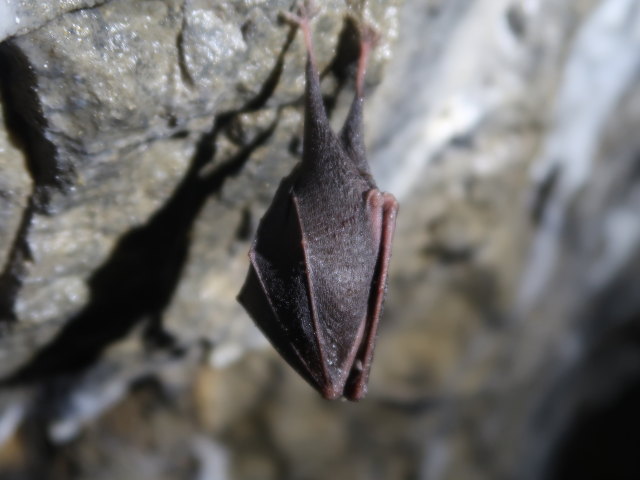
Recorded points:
(123, 91)
(23, 16)
(15, 187)
(555, 403)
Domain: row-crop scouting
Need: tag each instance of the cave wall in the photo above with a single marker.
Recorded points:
(141, 142)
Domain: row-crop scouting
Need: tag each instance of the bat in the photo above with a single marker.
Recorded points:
(320, 257)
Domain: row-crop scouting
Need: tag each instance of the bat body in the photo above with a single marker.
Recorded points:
(320, 258)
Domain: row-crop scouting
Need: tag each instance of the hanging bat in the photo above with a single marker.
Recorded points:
(320, 257)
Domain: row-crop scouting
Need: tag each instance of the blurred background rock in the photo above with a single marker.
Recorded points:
(140, 143)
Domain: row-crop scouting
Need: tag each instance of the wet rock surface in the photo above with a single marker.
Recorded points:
(140, 144)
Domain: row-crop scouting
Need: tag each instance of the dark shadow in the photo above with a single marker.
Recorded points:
(599, 397)
(601, 441)
(344, 63)
(26, 125)
(137, 282)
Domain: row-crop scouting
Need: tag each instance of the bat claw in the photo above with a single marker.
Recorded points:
(305, 10)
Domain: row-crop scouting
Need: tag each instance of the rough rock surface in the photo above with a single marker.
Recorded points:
(23, 16)
(141, 141)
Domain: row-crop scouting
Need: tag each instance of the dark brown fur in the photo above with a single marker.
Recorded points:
(320, 258)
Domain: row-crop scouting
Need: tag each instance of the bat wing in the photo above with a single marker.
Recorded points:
(340, 246)
(384, 209)
(276, 293)
(316, 284)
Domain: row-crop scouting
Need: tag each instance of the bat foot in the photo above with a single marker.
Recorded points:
(369, 38)
(304, 11)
